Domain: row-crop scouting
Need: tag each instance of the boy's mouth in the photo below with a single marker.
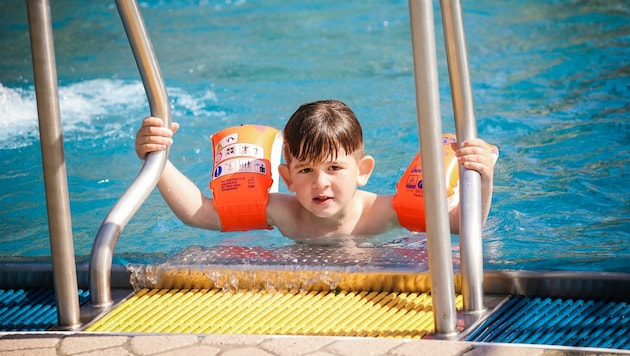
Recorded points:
(321, 199)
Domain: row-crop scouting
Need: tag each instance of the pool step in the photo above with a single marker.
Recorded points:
(30, 309)
(522, 319)
(214, 311)
(565, 322)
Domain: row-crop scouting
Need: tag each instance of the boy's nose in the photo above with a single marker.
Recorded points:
(321, 180)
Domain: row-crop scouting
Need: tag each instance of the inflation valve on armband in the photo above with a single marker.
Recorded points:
(245, 170)
(409, 199)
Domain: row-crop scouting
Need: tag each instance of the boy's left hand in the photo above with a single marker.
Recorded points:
(478, 155)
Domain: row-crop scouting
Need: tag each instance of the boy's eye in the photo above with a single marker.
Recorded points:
(305, 170)
(334, 168)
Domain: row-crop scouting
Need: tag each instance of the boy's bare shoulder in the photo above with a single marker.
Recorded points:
(378, 215)
(376, 202)
(282, 198)
(377, 206)
(282, 209)
(281, 202)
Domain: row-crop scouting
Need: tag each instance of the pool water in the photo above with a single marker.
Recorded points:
(551, 84)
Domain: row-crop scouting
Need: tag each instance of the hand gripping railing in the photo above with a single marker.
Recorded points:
(430, 133)
(145, 182)
(470, 225)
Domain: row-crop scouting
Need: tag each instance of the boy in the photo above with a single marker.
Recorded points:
(325, 164)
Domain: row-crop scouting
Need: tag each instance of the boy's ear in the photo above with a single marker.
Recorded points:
(283, 169)
(366, 166)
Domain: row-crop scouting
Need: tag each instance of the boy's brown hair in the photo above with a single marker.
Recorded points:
(319, 130)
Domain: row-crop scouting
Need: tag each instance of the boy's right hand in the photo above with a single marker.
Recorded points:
(153, 136)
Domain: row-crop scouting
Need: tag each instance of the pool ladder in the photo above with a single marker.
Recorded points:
(429, 126)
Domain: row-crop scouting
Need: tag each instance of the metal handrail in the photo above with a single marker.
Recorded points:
(470, 223)
(145, 182)
(434, 184)
(430, 133)
(54, 164)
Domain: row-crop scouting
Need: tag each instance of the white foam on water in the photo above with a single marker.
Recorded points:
(93, 107)
(80, 104)
(18, 116)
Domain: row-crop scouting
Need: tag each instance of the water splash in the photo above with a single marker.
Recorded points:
(297, 267)
(91, 109)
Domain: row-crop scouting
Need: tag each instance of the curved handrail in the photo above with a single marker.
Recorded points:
(145, 182)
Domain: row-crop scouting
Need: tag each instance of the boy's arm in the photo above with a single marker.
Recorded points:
(181, 195)
(186, 200)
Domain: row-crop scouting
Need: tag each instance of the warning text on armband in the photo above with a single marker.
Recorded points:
(232, 183)
(414, 181)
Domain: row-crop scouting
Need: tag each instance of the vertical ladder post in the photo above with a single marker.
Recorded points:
(430, 133)
(470, 224)
(54, 164)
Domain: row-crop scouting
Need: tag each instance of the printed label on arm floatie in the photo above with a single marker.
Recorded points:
(246, 160)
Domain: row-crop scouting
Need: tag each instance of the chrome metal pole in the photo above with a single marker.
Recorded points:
(471, 249)
(430, 132)
(54, 164)
(145, 182)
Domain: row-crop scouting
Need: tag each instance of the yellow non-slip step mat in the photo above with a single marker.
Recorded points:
(214, 311)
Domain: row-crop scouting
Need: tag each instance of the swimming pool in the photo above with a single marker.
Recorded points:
(550, 82)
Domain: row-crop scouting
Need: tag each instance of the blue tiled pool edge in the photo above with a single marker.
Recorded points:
(556, 321)
(31, 309)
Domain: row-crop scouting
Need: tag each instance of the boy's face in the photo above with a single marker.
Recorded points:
(326, 188)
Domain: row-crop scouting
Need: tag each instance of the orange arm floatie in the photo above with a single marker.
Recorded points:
(409, 198)
(246, 160)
